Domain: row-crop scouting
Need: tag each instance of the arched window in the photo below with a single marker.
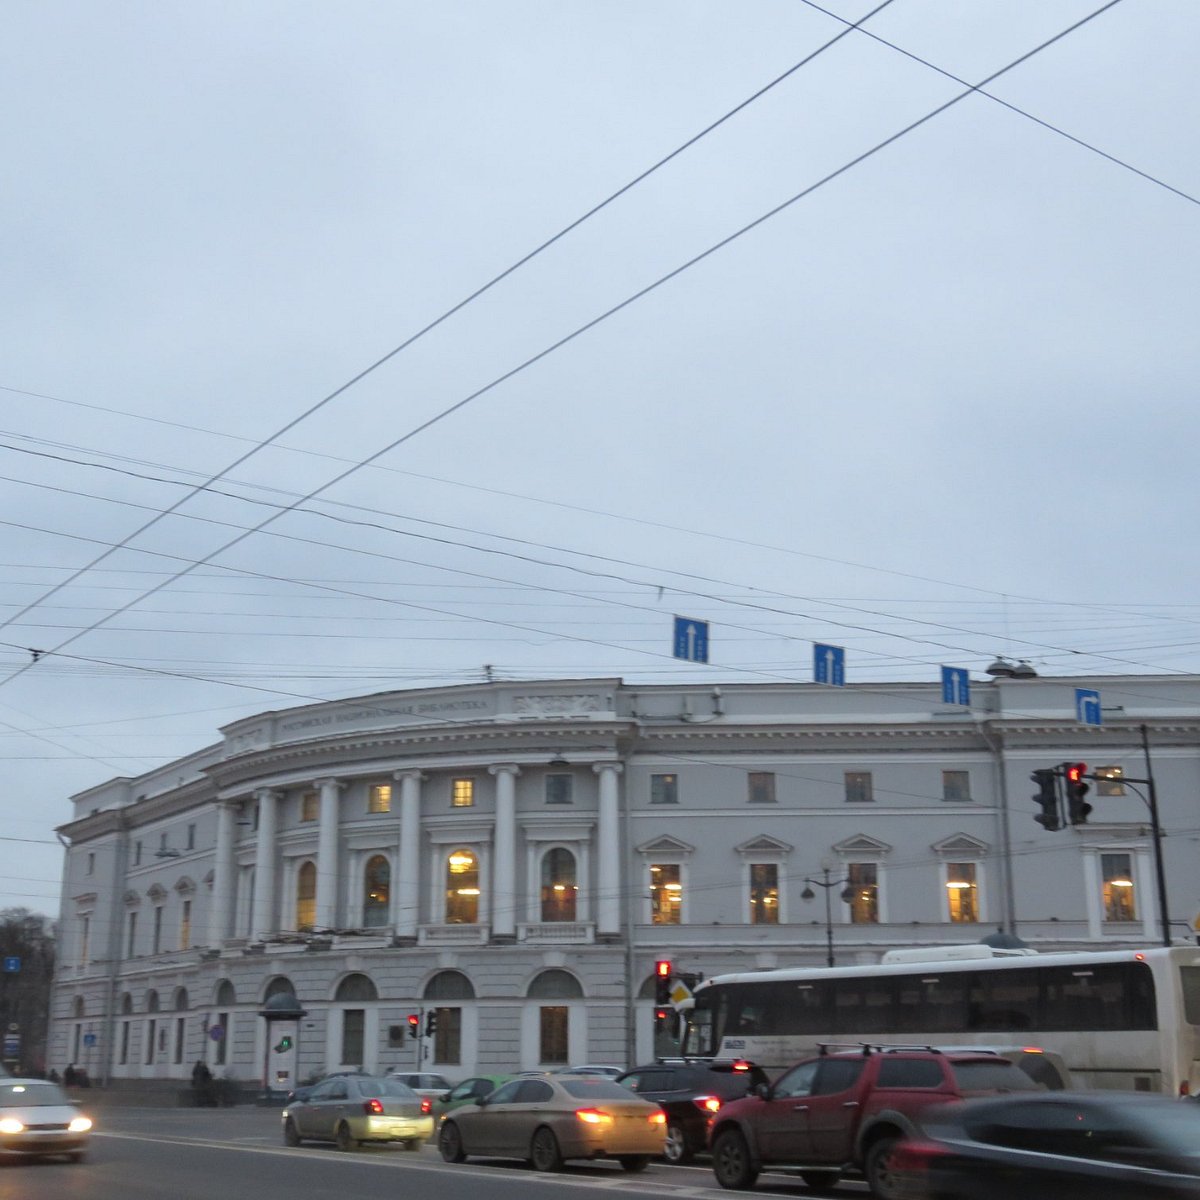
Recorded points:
(554, 1020)
(126, 1005)
(281, 985)
(79, 1009)
(449, 985)
(462, 888)
(355, 987)
(306, 896)
(559, 889)
(152, 1001)
(554, 984)
(441, 992)
(181, 1000)
(377, 891)
(226, 995)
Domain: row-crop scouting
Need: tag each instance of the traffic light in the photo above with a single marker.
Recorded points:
(661, 1016)
(1047, 799)
(414, 1025)
(285, 1044)
(662, 983)
(1077, 787)
(431, 1022)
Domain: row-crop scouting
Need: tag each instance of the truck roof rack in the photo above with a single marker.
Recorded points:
(876, 1047)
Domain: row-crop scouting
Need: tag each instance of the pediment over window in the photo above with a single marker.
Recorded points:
(208, 878)
(185, 886)
(85, 901)
(764, 844)
(665, 845)
(862, 844)
(960, 844)
(157, 893)
(132, 898)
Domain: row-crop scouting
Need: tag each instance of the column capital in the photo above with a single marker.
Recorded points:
(504, 769)
(261, 794)
(410, 773)
(330, 782)
(601, 767)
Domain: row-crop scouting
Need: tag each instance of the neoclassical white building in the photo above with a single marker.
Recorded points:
(507, 861)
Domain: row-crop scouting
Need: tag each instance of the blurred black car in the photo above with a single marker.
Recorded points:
(1054, 1146)
(690, 1093)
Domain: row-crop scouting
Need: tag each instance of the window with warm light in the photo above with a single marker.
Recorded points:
(462, 888)
(764, 893)
(858, 787)
(962, 893)
(862, 881)
(666, 894)
(1118, 891)
(379, 798)
(306, 896)
(462, 793)
(760, 787)
(664, 789)
(377, 891)
(310, 806)
(559, 890)
(1110, 781)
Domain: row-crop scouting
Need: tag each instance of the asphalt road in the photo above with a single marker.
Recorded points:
(238, 1154)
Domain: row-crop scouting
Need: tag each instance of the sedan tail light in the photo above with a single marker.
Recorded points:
(657, 1118)
(426, 1105)
(593, 1116)
(373, 1107)
(708, 1104)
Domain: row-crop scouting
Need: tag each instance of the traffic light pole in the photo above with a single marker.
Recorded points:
(1156, 833)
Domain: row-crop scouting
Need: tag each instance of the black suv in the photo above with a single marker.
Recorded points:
(691, 1092)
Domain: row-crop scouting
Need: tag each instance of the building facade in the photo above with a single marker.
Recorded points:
(506, 862)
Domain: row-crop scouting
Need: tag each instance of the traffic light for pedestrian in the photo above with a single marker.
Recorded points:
(414, 1025)
(1077, 788)
(431, 1022)
(662, 982)
(285, 1044)
(1047, 799)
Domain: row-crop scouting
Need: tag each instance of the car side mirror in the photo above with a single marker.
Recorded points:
(445, 1097)
(482, 1101)
(762, 1091)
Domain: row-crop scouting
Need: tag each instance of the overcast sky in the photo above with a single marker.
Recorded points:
(939, 408)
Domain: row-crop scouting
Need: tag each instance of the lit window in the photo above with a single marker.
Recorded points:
(379, 798)
(962, 893)
(377, 892)
(558, 789)
(666, 894)
(1119, 899)
(862, 880)
(764, 894)
(1110, 781)
(462, 793)
(462, 888)
(858, 787)
(310, 806)
(956, 786)
(664, 789)
(559, 890)
(761, 787)
(306, 896)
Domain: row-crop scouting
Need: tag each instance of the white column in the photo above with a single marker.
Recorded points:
(608, 869)
(263, 919)
(327, 853)
(224, 881)
(406, 881)
(504, 852)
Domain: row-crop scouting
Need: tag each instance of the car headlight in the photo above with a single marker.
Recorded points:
(11, 1125)
(80, 1124)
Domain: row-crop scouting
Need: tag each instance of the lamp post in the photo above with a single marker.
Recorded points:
(828, 885)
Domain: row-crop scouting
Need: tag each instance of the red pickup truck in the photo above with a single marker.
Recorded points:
(846, 1110)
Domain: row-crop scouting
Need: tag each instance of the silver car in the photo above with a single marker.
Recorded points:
(352, 1109)
(37, 1117)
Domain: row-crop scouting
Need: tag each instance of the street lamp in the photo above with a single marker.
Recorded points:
(828, 885)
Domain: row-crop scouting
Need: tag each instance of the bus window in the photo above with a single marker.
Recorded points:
(1003, 1000)
(1189, 982)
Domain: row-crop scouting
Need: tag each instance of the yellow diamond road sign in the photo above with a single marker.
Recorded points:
(680, 992)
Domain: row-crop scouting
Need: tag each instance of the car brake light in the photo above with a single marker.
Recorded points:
(709, 1104)
(426, 1105)
(373, 1106)
(740, 1064)
(593, 1116)
(657, 1118)
(1032, 1050)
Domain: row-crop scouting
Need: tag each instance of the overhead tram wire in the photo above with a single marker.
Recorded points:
(1021, 112)
(448, 313)
(588, 325)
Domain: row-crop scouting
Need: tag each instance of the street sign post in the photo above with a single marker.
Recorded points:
(691, 639)
(1087, 707)
(956, 686)
(829, 665)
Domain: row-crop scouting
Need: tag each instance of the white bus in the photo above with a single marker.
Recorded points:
(1119, 1018)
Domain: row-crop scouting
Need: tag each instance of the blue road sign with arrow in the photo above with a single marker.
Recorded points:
(691, 639)
(1087, 707)
(829, 665)
(956, 686)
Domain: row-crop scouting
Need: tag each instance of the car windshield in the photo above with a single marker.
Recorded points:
(991, 1075)
(385, 1087)
(26, 1095)
(594, 1087)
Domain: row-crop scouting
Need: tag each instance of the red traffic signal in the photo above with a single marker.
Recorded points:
(414, 1025)
(662, 968)
(1075, 772)
(662, 982)
(1078, 809)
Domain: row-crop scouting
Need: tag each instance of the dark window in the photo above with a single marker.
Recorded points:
(558, 789)
(1189, 980)
(837, 1074)
(508, 1093)
(982, 1076)
(761, 787)
(664, 789)
(910, 1073)
(798, 1081)
(858, 787)
(956, 785)
(553, 1033)
(534, 1091)
(353, 1021)
(447, 1039)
